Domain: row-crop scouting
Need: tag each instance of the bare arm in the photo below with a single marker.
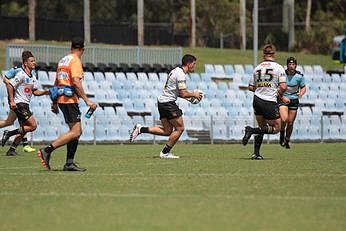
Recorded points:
(80, 92)
(301, 92)
(183, 93)
(10, 93)
(37, 92)
(251, 88)
(281, 89)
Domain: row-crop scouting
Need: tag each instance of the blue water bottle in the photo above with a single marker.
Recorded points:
(89, 113)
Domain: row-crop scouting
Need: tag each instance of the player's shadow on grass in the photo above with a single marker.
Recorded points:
(249, 158)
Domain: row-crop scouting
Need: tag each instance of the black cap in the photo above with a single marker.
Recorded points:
(77, 43)
(291, 60)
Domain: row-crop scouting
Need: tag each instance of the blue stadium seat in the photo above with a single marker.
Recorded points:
(88, 76)
(163, 77)
(308, 70)
(142, 77)
(318, 70)
(116, 85)
(123, 132)
(152, 76)
(51, 76)
(249, 69)
(98, 76)
(222, 86)
(209, 68)
(43, 77)
(131, 76)
(109, 76)
(195, 77)
(120, 76)
(238, 68)
(229, 70)
(220, 132)
(205, 77)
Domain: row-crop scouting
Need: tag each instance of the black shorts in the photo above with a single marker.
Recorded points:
(71, 112)
(23, 112)
(268, 109)
(169, 110)
(293, 105)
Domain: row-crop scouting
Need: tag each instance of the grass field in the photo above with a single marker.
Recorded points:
(212, 187)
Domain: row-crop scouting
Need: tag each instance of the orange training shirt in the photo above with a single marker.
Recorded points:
(68, 67)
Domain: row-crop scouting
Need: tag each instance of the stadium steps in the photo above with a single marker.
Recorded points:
(202, 136)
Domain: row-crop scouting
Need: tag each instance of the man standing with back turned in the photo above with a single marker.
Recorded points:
(68, 79)
(268, 82)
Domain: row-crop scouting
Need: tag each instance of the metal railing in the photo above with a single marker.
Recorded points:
(97, 54)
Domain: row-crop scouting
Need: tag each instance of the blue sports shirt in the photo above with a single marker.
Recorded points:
(294, 83)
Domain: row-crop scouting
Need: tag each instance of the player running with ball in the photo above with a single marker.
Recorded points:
(170, 114)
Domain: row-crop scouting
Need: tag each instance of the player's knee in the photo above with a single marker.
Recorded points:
(75, 134)
(290, 123)
(284, 120)
(276, 128)
(167, 133)
(32, 128)
(180, 129)
(78, 134)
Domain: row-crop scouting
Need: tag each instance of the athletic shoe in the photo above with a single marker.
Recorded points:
(256, 157)
(247, 135)
(73, 167)
(28, 148)
(5, 137)
(168, 156)
(11, 152)
(45, 157)
(135, 132)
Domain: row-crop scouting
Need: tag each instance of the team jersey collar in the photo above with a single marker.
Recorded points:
(295, 72)
(267, 60)
(28, 74)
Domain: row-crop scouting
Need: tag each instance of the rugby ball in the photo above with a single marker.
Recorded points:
(195, 100)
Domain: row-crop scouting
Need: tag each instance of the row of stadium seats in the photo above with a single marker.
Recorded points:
(126, 98)
(113, 67)
(229, 69)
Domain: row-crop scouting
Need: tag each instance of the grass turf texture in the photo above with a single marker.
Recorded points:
(212, 187)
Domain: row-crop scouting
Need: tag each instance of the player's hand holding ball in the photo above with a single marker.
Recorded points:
(197, 96)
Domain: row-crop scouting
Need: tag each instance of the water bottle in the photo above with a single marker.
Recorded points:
(89, 113)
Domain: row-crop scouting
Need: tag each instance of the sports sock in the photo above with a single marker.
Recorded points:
(49, 148)
(257, 144)
(15, 132)
(144, 130)
(166, 149)
(265, 130)
(13, 146)
(25, 141)
(282, 134)
(71, 151)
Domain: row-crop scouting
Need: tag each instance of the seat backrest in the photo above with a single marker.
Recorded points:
(209, 68)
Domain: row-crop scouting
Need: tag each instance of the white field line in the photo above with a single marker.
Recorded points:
(23, 167)
(149, 195)
(61, 173)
